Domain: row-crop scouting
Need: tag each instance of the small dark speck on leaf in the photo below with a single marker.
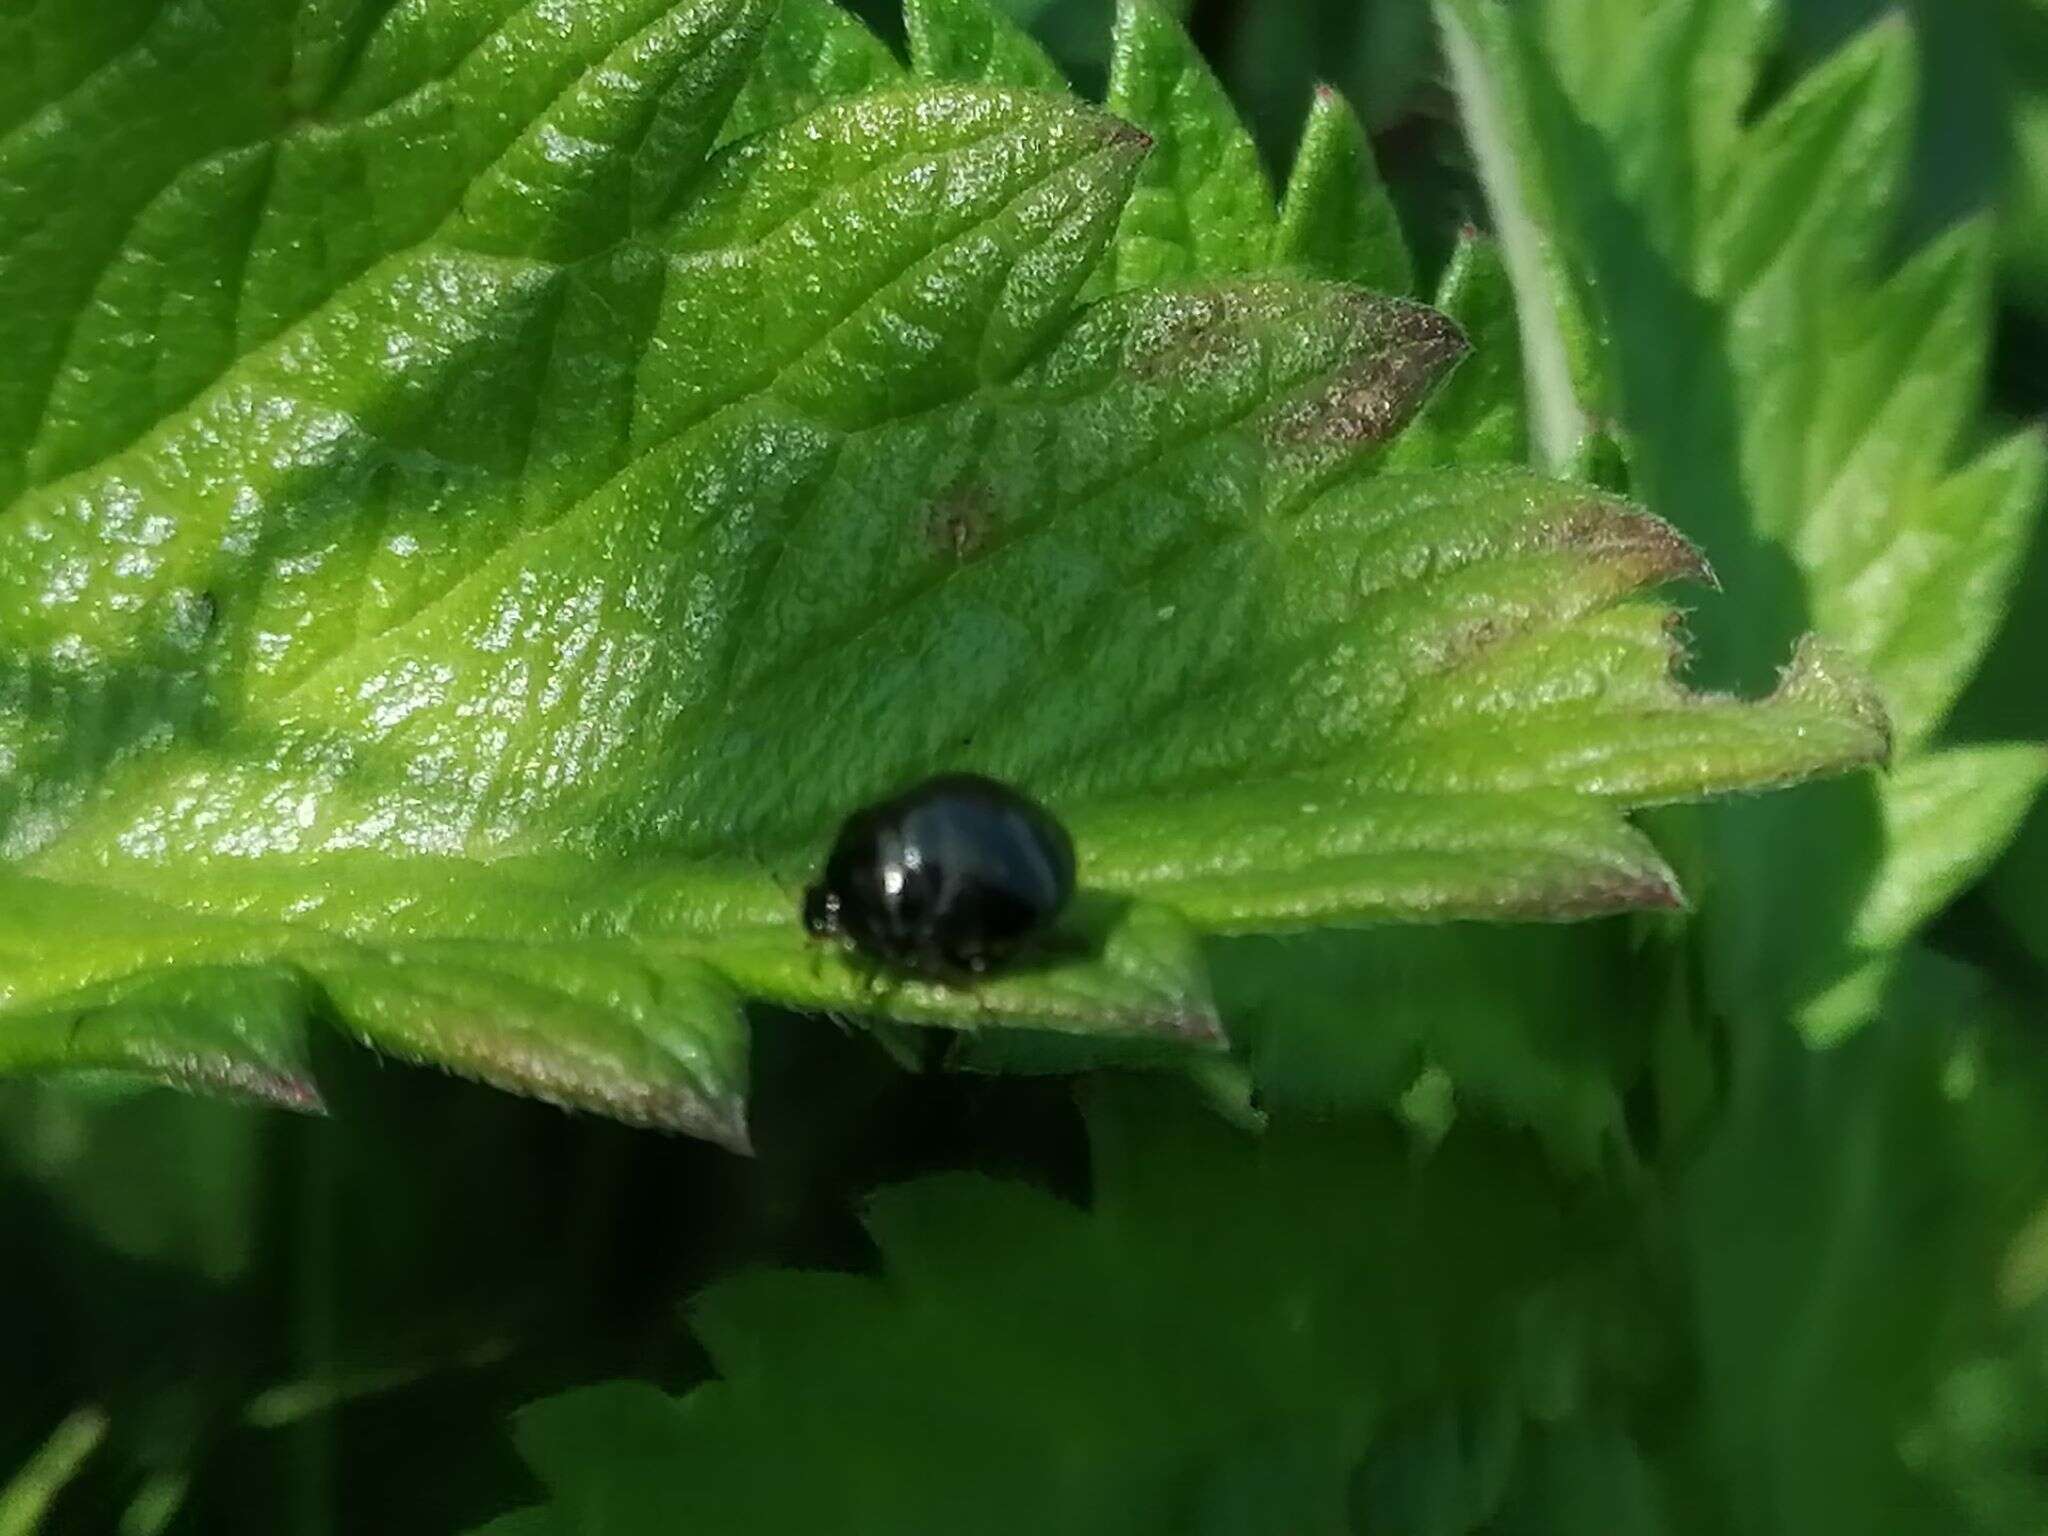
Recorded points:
(958, 523)
(192, 617)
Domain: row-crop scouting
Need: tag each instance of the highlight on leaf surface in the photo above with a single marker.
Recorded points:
(469, 538)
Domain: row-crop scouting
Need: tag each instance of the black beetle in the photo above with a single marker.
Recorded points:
(947, 880)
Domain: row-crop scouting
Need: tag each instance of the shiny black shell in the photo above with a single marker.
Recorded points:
(948, 880)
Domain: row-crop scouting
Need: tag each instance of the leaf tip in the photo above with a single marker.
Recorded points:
(1823, 677)
(1652, 550)
(1643, 883)
(723, 1125)
(1656, 892)
(718, 1118)
(1405, 351)
(294, 1092)
(250, 1080)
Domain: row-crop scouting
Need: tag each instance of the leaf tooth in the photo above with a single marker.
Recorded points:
(254, 1076)
(721, 1121)
(1825, 678)
(247, 1078)
(1408, 347)
(237, 1032)
(1647, 888)
(972, 40)
(1647, 547)
(652, 1042)
(1337, 220)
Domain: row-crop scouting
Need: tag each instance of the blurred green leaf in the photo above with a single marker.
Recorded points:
(26, 1496)
(1950, 812)
(1559, 345)
(1801, 408)
(1529, 1027)
(101, 1156)
(1844, 1232)
(1327, 1330)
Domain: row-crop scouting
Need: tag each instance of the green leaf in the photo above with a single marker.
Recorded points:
(1534, 1027)
(1440, 800)
(27, 1494)
(1914, 1153)
(231, 1029)
(1559, 352)
(1948, 814)
(1926, 605)
(1799, 407)
(1337, 220)
(968, 42)
(1478, 417)
(1203, 205)
(1203, 1350)
(1329, 1329)
(97, 1150)
(494, 622)
(1825, 164)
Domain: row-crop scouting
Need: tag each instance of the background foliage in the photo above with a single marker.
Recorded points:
(1723, 1221)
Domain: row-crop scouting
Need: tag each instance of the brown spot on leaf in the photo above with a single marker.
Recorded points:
(1640, 892)
(1614, 531)
(1405, 350)
(1589, 892)
(1122, 135)
(1185, 333)
(957, 525)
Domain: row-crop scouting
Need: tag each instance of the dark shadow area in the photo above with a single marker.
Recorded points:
(435, 1255)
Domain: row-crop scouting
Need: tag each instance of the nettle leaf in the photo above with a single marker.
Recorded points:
(1203, 1349)
(1337, 220)
(1534, 1026)
(474, 542)
(1203, 205)
(1810, 415)
(1913, 1152)
(1948, 814)
(1562, 357)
